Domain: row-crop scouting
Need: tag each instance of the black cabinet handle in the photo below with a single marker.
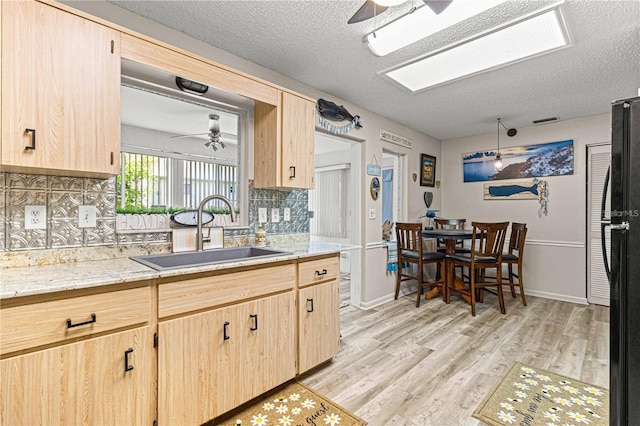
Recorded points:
(309, 305)
(319, 274)
(292, 169)
(33, 138)
(255, 322)
(92, 320)
(127, 367)
(225, 336)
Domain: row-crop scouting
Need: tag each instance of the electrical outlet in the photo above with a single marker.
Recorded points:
(35, 217)
(372, 214)
(287, 214)
(275, 215)
(262, 214)
(87, 216)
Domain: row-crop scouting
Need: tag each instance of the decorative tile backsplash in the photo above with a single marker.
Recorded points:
(62, 197)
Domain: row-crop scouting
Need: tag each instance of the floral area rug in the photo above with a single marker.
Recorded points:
(535, 397)
(293, 405)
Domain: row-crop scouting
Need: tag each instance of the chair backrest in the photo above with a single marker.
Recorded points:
(449, 224)
(409, 237)
(518, 235)
(488, 239)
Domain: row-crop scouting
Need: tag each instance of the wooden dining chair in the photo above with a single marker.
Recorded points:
(514, 258)
(487, 244)
(451, 224)
(411, 251)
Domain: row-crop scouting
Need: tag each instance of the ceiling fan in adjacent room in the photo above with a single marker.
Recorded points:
(214, 133)
(372, 8)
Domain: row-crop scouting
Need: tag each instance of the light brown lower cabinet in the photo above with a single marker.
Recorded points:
(318, 324)
(99, 381)
(211, 362)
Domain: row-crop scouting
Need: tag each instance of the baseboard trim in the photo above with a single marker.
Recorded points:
(545, 295)
(556, 296)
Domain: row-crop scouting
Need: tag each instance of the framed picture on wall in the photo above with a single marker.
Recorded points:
(427, 170)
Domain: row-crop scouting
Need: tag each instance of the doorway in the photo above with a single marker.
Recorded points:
(335, 208)
(598, 161)
(391, 188)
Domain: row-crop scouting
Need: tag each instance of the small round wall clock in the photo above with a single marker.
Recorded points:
(190, 217)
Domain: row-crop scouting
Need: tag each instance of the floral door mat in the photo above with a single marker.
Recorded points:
(293, 405)
(532, 396)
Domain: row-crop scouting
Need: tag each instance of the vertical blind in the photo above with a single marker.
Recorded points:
(328, 202)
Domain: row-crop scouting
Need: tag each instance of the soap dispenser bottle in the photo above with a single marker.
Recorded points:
(261, 237)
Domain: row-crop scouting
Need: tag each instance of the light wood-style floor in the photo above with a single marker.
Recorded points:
(432, 365)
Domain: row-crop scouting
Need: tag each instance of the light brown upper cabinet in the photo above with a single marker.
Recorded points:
(284, 143)
(60, 92)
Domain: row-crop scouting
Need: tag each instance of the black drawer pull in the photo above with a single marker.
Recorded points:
(309, 305)
(292, 169)
(91, 321)
(33, 138)
(127, 366)
(255, 322)
(319, 274)
(225, 336)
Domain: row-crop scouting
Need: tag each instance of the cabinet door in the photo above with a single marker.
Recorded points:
(81, 383)
(198, 361)
(319, 324)
(298, 135)
(61, 78)
(202, 374)
(268, 330)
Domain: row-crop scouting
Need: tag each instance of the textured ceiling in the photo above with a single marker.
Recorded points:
(311, 42)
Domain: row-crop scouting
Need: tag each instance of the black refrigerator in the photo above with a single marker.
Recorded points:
(624, 269)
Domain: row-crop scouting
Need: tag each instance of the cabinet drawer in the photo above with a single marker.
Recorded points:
(201, 293)
(314, 271)
(43, 323)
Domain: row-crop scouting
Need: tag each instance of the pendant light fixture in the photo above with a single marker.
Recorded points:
(497, 164)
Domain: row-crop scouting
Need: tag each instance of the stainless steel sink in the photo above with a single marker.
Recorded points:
(162, 262)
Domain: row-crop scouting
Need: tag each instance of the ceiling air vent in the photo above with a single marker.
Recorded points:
(545, 120)
(191, 86)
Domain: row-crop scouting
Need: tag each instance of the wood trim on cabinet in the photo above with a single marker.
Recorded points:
(197, 294)
(183, 64)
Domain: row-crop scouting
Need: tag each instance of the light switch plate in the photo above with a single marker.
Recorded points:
(275, 215)
(372, 214)
(262, 214)
(87, 216)
(287, 214)
(35, 217)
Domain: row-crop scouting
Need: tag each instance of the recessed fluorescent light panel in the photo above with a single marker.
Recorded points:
(536, 34)
(422, 23)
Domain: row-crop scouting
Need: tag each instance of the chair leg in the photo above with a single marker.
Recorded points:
(420, 283)
(500, 298)
(511, 283)
(472, 291)
(398, 280)
(524, 300)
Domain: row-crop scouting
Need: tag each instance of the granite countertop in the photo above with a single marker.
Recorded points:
(34, 280)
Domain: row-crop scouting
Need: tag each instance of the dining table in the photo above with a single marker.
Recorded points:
(450, 237)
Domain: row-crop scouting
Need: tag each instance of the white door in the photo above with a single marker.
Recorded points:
(599, 159)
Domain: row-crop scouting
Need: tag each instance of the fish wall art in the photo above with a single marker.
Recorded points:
(535, 189)
(331, 111)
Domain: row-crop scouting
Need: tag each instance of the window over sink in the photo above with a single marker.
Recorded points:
(179, 146)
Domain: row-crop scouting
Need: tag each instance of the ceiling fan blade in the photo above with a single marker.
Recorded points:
(187, 136)
(438, 6)
(366, 11)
